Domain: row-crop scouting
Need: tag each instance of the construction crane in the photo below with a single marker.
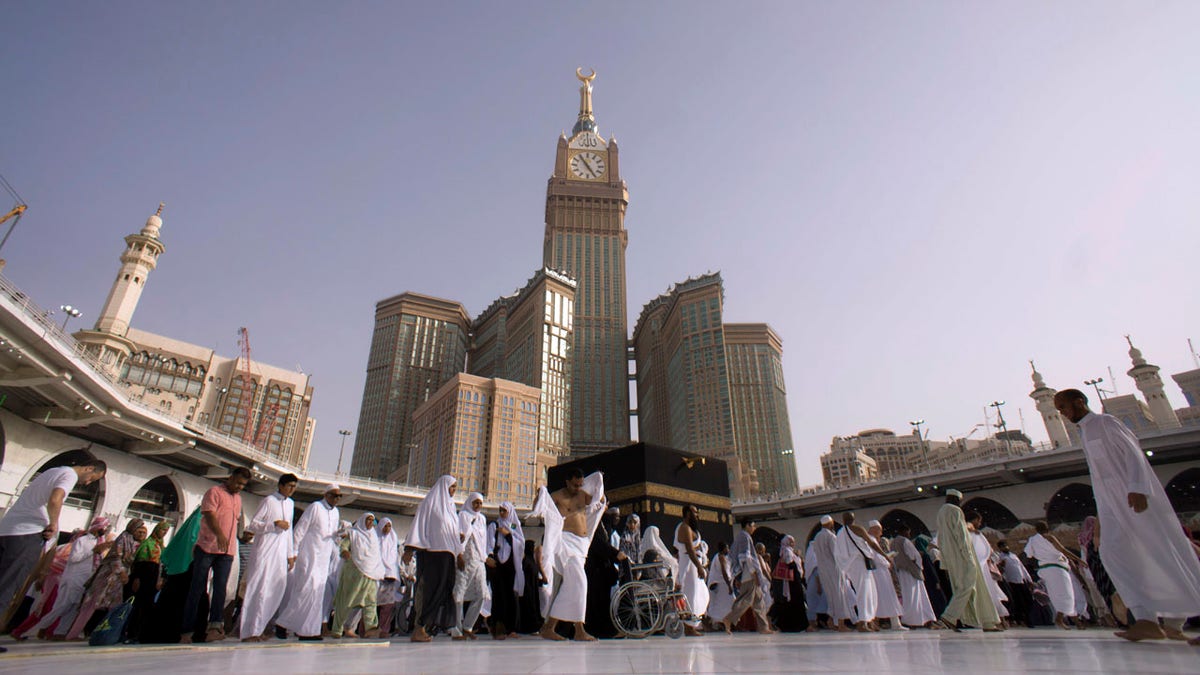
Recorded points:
(263, 437)
(15, 214)
(247, 387)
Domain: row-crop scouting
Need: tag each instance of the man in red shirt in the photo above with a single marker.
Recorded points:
(220, 510)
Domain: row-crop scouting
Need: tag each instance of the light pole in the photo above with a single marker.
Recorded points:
(344, 433)
(532, 478)
(1095, 384)
(71, 313)
(1002, 425)
(924, 451)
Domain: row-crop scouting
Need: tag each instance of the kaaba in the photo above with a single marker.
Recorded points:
(656, 482)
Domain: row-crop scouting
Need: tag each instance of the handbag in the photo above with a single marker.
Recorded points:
(112, 629)
(783, 571)
(867, 560)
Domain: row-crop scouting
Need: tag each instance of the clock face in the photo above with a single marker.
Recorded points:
(587, 165)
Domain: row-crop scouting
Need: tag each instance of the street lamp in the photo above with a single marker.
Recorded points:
(71, 313)
(924, 451)
(1095, 384)
(344, 433)
(1002, 425)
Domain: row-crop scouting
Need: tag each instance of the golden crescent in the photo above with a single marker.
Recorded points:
(585, 78)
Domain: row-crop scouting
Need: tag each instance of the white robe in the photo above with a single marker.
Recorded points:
(720, 597)
(691, 585)
(1053, 572)
(470, 583)
(852, 552)
(563, 553)
(834, 584)
(813, 595)
(267, 571)
(889, 602)
(313, 538)
(916, 609)
(71, 586)
(983, 551)
(1150, 561)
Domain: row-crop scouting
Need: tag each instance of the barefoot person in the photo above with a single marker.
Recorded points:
(1145, 552)
(692, 573)
(971, 602)
(271, 558)
(436, 538)
(571, 516)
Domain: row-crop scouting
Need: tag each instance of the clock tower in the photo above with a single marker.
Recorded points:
(586, 239)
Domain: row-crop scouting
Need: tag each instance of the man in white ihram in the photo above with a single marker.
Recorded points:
(856, 555)
(1147, 556)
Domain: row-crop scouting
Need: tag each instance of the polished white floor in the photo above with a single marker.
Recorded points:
(1017, 651)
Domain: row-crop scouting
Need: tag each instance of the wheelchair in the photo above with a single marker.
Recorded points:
(650, 603)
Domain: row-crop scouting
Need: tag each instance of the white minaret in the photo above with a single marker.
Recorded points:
(1145, 376)
(1044, 397)
(140, 257)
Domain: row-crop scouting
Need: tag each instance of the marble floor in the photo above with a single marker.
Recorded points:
(1017, 651)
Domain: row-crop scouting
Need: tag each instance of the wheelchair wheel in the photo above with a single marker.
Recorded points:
(673, 626)
(636, 609)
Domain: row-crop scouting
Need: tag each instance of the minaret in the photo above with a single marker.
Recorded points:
(140, 257)
(108, 339)
(1044, 397)
(1145, 376)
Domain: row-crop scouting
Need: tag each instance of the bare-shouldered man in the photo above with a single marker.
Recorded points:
(570, 598)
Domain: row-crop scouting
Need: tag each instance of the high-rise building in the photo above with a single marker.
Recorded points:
(679, 346)
(191, 382)
(762, 431)
(419, 343)
(483, 431)
(526, 337)
(586, 239)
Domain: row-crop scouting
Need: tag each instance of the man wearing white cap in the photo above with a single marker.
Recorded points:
(971, 602)
(313, 538)
(858, 557)
(830, 576)
(889, 600)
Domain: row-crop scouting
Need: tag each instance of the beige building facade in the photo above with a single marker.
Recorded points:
(419, 344)
(484, 432)
(192, 382)
(526, 337)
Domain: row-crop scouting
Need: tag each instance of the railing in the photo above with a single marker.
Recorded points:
(68, 344)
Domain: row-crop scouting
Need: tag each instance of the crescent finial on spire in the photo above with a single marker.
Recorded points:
(586, 79)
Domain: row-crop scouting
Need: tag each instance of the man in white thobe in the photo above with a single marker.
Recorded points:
(889, 602)
(1054, 570)
(1150, 561)
(314, 537)
(832, 578)
(271, 557)
(856, 556)
(915, 608)
(470, 583)
(692, 573)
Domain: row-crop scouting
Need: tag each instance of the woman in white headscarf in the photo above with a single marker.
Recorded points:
(506, 546)
(470, 584)
(436, 539)
(389, 552)
(358, 585)
(652, 541)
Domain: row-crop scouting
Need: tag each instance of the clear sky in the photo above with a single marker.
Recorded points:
(918, 196)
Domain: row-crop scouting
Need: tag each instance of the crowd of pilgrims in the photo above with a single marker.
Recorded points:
(321, 577)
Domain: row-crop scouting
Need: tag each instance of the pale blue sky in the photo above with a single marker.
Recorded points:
(919, 196)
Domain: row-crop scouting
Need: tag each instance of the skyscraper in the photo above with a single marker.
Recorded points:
(682, 378)
(526, 337)
(586, 239)
(763, 433)
(420, 342)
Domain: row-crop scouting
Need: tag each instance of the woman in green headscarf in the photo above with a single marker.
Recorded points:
(146, 578)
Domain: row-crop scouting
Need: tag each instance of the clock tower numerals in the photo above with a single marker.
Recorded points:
(587, 165)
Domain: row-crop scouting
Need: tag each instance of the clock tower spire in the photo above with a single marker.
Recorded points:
(585, 239)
